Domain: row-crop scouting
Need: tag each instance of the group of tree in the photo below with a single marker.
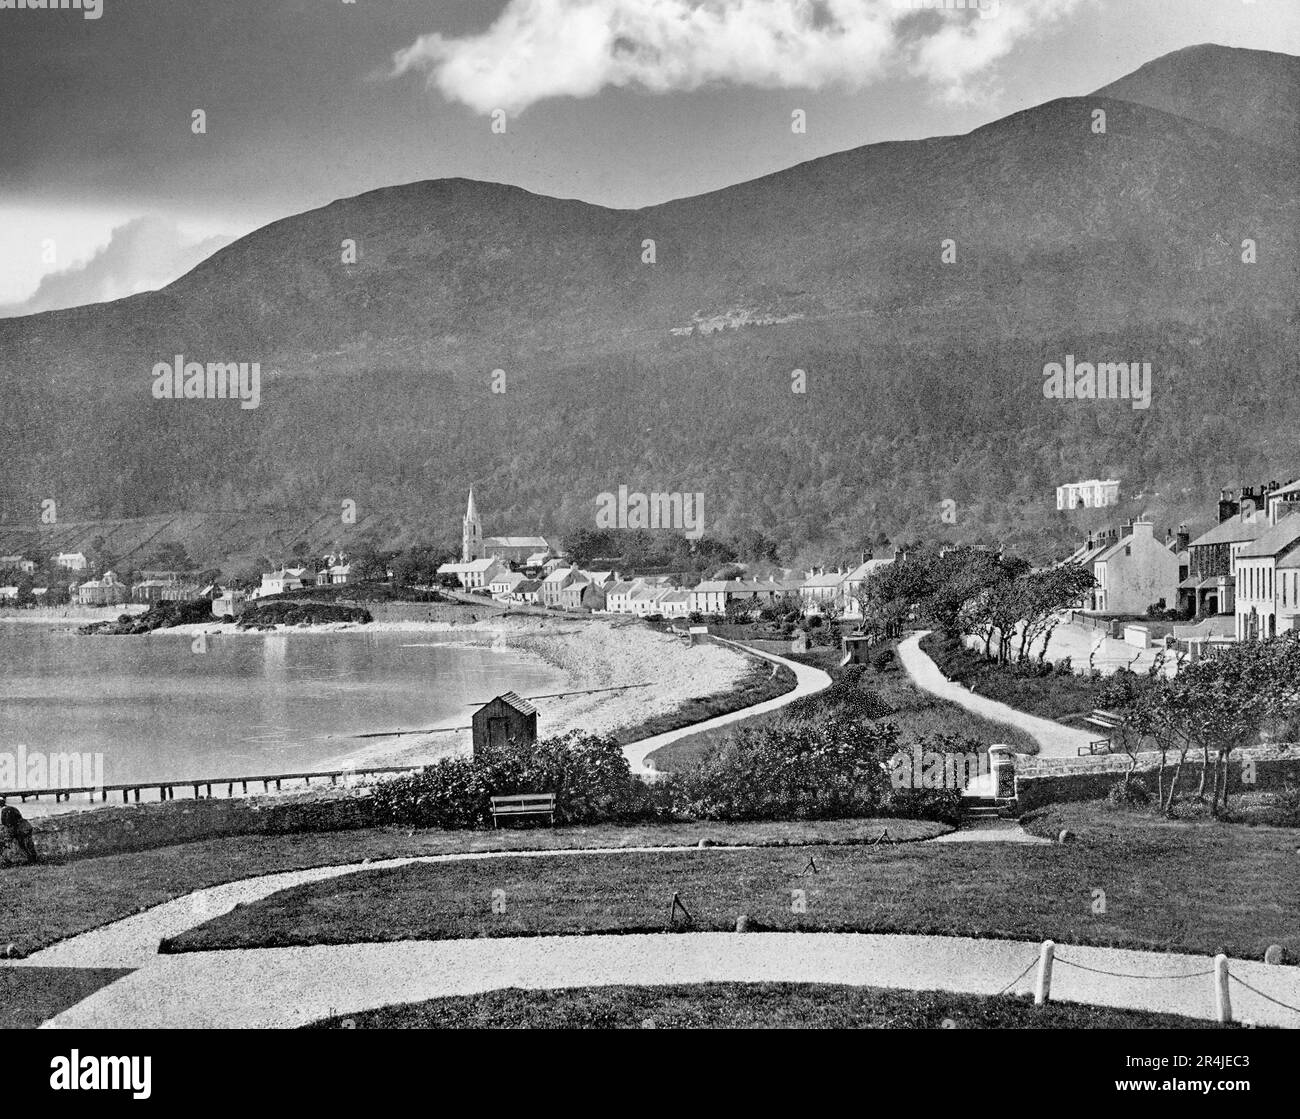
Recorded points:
(1222, 702)
(999, 598)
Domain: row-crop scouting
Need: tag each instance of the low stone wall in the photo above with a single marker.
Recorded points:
(454, 612)
(139, 827)
(1041, 781)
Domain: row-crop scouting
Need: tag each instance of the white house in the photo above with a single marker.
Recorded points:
(277, 582)
(504, 583)
(71, 561)
(1267, 580)
(475, 573)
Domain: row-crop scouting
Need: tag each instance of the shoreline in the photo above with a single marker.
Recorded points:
(588, 653)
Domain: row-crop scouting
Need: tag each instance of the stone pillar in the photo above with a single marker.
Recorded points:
(1003, 766)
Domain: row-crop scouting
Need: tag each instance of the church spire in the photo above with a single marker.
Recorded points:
(471, 534)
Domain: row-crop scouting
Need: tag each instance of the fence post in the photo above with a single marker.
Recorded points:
(1222, 999)
(1043, 988)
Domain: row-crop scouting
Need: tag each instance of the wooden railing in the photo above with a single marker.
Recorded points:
(167, 789)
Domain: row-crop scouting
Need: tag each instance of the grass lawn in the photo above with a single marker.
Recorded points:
(51, 901)
(1192, 888)
(762, 682)
(31, 995)
(749, 1006)
(1049, 697)
(917, 714)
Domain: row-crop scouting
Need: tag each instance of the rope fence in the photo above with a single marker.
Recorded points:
(1220, 971)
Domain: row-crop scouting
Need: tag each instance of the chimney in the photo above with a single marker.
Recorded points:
(1184, 537)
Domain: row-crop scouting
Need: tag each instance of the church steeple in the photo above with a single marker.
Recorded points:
(471, 534)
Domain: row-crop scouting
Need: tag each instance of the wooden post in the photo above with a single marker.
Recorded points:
(1222, 999)
(1043, 988)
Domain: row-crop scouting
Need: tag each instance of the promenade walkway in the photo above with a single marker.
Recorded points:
(1055, 740)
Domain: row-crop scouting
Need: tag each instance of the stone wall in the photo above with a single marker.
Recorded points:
(138, 827)
(1041, 781)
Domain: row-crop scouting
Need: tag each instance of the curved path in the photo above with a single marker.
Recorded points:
(278, 987)
(808, 681)
(1055, 740)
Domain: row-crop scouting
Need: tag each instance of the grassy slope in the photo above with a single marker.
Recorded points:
(917, 714)
(1050, 697)
(52, 901)
(748, 1006)
(1181, 887)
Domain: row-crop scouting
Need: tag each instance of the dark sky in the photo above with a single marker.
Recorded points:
(303, 106)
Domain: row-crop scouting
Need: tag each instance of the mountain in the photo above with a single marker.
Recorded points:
(1252, 94)
(923, 378)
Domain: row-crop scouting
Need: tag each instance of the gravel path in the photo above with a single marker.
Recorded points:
(1054, 739)
(809, 681)
(280, 987)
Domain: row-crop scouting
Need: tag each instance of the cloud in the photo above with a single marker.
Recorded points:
(539, 49)
(143, 255)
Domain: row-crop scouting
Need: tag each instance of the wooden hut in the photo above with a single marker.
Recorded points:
(505, 719)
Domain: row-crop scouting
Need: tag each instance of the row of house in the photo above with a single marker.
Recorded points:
(1240, 579)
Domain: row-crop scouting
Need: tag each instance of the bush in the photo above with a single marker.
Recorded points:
(829, 770)
(1129, 794)
(883, 660)
(1284, 810)
(1065, 667)
(589, 775)
(942, 805)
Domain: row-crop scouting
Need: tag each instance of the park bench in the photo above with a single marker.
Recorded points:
(523, 804)
(1106, 720)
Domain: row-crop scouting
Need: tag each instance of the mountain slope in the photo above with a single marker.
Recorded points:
(924, 378)
(1252, 94)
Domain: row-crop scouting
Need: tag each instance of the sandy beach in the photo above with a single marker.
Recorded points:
(591, 654)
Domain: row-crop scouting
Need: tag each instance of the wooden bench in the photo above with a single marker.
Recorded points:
(524, 804)
(1106, 720)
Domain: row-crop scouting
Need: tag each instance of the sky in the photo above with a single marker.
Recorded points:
(106, 187)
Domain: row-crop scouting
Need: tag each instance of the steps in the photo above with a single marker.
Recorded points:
(988, 808)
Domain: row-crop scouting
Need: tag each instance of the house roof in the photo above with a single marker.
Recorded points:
(528, 586)
(515, 542)
(558, 575)
(518, 702)
(863, 570)
(834, 579)
(674, 596)
(1275, 540)
(1232, 531)
(511, 577)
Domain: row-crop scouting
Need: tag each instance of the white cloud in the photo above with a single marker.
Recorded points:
(141, 255)
(539, 49)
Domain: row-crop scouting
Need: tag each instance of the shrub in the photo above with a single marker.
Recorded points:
(942, 805)
(589, 775)
(883, 660)
(1284, 809)
(1065, 667)
(828, 770)
(1129, 794)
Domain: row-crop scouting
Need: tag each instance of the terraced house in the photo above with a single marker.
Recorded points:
(1267, 579)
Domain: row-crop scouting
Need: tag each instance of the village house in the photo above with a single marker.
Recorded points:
(337, 575)
(71, 561)
(277, 582)
(713, 596)
(1265, 575)
(821, 589)
(855, 580)
(1135, 572)
(8, 594)
(529, 591)
(504, 583)
(163, 590)
(618, 596)
(17, 563)
(474, 574)
(107, 590)
(1208, 588)
(1092, 494)
(228, 602)
(554, 583)
(674, 603)
(582, 594)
